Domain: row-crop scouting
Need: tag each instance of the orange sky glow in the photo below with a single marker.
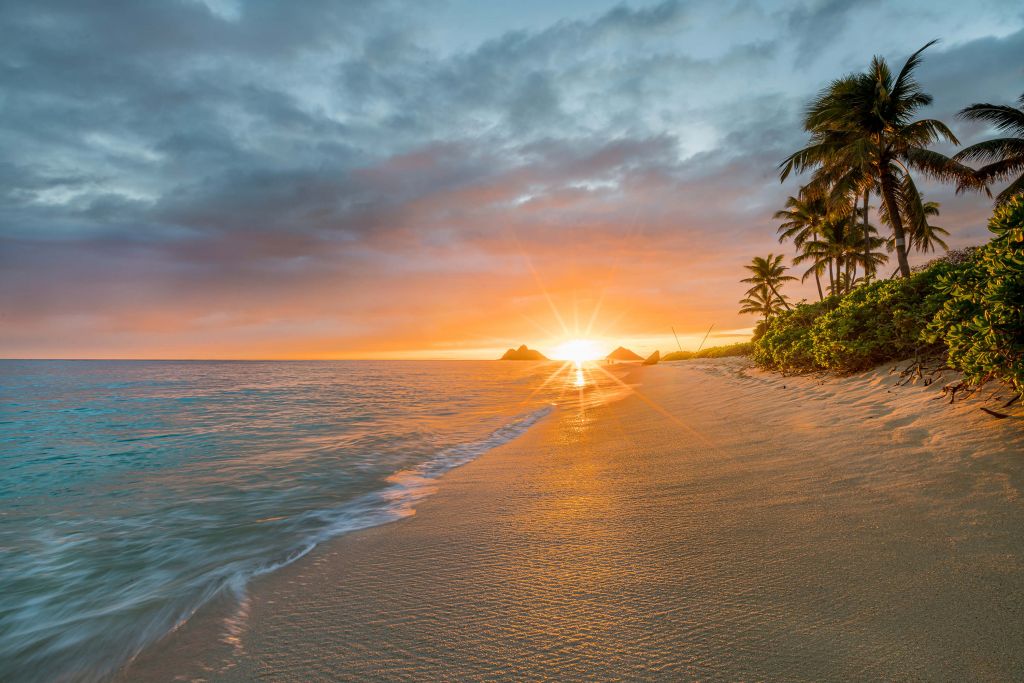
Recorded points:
(374, 180)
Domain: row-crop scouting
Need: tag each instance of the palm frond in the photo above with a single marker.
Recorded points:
(938, 166)
(998, 148)
(1001, 170)
(1004, 117)
(905, 87)
(1015, 188)
(926, 132)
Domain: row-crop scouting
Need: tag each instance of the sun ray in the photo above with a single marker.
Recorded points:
(543, 288)
(595, 312)
(557, 371)
(672, 418)
(544, 329)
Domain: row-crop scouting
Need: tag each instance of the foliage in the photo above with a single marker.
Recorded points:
(785, 343)
(877, 322)
(1008, 217)
(739, 349)
(1005, 155)
(924, 236)
(839, 244)
(969, 304)
(767, 277)
(760, 301)
(864, 138)
(982, 318)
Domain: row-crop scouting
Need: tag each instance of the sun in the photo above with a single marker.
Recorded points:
(578, 350)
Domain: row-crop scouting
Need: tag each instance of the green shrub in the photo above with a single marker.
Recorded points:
(1008, 217)
(785, 342)
(982, 318)
(739, 349)
(874, 323)
(878, 322)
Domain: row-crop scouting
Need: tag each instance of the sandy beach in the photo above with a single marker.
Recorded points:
(718, 523)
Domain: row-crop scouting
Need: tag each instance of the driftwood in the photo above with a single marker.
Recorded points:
(962, 388)
(925, 370)
(928, 369)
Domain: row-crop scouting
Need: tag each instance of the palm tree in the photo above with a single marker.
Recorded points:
(768, 276)
(864, 138)
(761, 302)
(802, 219)
(838, 249)
(1006, 155)
(871, 258)
(821, 254)
(924, 236)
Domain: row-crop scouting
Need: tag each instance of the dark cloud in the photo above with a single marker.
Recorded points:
(815, 24)
(185, 157)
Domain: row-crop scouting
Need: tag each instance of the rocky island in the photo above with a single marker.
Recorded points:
(523, 353)
(623, 353)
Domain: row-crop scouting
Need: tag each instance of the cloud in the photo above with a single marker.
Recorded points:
(816, 23)
(238, 180)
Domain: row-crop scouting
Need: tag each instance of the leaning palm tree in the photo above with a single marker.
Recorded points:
(1005, 155)
(864, 137)
(768, 276)
(802, 219)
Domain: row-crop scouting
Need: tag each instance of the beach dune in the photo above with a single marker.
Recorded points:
(718, 523)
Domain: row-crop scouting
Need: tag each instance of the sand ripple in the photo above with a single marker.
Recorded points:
(807, 533)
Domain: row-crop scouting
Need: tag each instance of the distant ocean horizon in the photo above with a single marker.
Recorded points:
(135, 491)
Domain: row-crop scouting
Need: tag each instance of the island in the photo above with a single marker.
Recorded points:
(523, 353)
(623, 353)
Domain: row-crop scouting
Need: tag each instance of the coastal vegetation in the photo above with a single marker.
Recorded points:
(728, 350)
(967, 306)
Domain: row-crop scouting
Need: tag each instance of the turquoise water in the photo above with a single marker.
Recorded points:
(133, 492)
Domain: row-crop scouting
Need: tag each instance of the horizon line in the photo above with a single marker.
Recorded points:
(239, 360)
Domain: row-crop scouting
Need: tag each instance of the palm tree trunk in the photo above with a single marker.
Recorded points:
(892, 207)
(831, 278)
(817, 271)
(850, 254)
(867, 239)
(776, 293)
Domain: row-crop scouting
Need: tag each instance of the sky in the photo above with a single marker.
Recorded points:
(427, 178)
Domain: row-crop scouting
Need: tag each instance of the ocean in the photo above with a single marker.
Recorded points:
(134, 492)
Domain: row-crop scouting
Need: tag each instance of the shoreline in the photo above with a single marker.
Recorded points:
(666, 535)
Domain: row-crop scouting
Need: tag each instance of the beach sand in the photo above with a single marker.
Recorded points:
(719, 523)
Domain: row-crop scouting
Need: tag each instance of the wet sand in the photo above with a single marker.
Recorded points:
(720, 523)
